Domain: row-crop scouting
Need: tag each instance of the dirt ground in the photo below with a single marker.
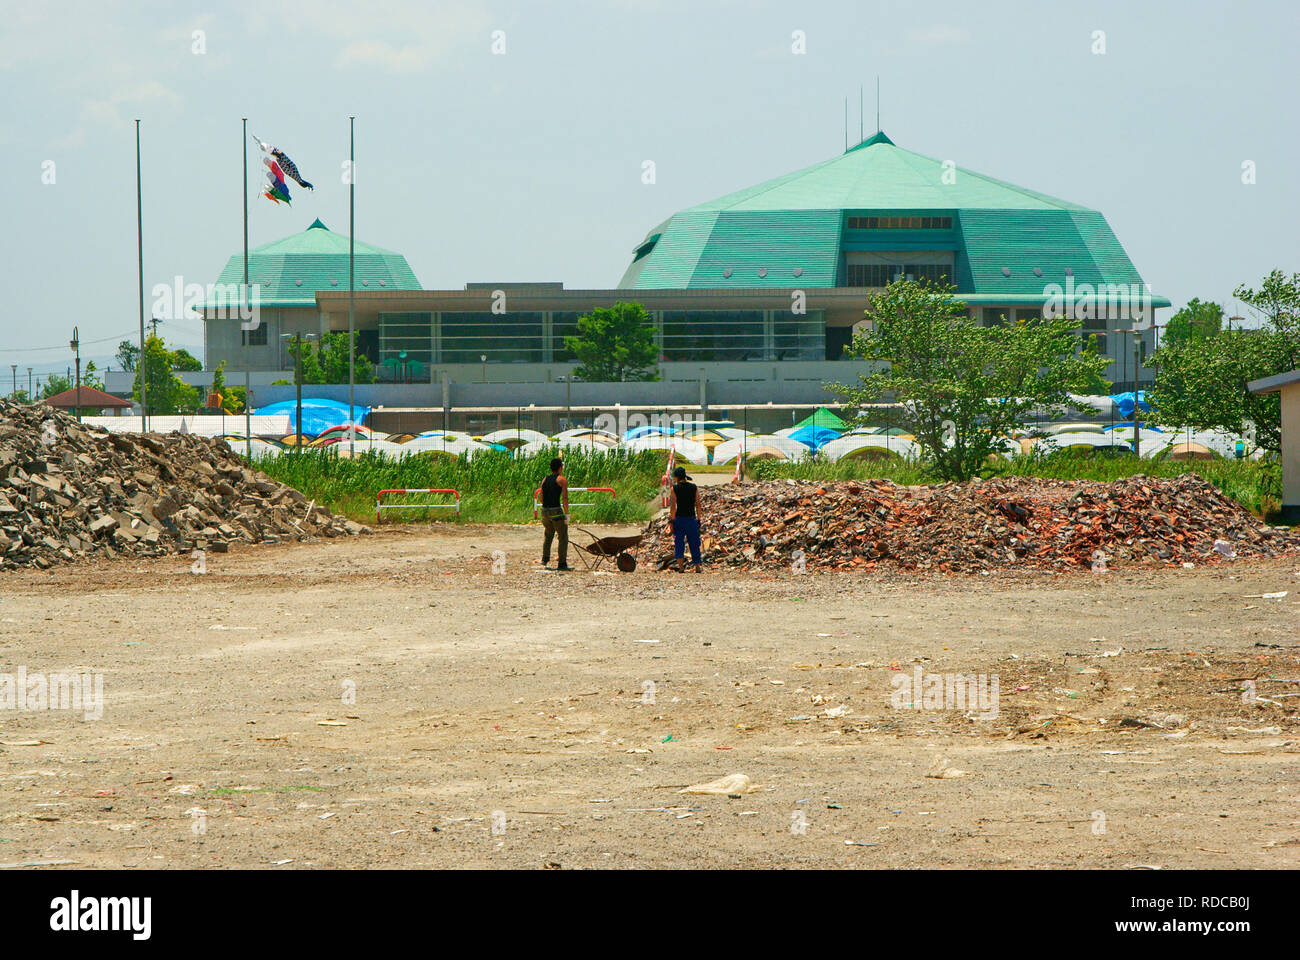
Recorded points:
(391, 701)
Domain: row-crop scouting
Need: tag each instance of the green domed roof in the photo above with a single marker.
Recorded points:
(794, 230)
(290, 271)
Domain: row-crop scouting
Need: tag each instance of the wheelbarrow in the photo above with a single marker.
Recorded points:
(604, 548)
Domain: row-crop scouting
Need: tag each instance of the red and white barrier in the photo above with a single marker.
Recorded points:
(537, 497)
(666, 482)
(740, 459)
(380, 505)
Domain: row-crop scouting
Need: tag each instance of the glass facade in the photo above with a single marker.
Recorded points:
(412, 332)
(721, 335)
(883, 274)
(502, 338)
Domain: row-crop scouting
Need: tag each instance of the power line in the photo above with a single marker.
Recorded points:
(63, 346)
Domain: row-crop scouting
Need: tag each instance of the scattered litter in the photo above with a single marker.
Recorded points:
(734, 783)
(940, 770)
(331, 723)
(855, 843)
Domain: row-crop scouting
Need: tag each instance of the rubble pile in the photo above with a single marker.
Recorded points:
(1013, 522)
(68, 492)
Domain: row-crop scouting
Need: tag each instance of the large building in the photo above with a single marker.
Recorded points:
(760, 287)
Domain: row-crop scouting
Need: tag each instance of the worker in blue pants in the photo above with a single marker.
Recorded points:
(684, 519)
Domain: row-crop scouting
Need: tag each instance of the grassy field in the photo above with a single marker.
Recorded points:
(494, 488)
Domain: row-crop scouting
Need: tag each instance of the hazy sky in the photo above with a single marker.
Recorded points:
(527, 165)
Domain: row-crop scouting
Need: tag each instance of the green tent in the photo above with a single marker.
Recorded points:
(824, 418)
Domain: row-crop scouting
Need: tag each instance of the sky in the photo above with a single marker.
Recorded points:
(506, 141)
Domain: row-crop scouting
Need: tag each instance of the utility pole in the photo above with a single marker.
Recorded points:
(352, 240)
(13, 368)
(29, 384)
(297, 379)
(139, 258)
(76, 349)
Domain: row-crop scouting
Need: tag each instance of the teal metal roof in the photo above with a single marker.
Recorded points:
(797, 222)
(290, 271)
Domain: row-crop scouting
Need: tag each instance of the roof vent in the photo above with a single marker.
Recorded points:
(365, 283)
(1006, 271)
(297, 283)
(798, 271)
(1038, 271)
(762, 271)
(1069, 272)
(382, 284)
(334, 283)
(727, 272)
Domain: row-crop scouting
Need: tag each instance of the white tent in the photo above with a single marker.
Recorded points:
(851, 446)
(453, 446)
(726, 451)
(692, 451)
(507, 434)
(1065, 441)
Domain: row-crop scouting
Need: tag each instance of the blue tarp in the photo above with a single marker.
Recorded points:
(815, 437)
(318, 414)
(1125, 402)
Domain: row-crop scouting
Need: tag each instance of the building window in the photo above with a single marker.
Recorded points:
(882, 274)
(409, 333)
(255, 337)
(996, 316)
(713, 335)
(900, 223)
(502, 338)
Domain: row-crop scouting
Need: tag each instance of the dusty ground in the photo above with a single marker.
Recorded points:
(520, 701)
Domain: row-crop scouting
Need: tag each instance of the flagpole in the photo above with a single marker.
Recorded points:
(248, 387)
(139, 255)
(352, 233)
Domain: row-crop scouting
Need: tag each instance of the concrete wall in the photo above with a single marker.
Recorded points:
(509, 385)
(1291, 452)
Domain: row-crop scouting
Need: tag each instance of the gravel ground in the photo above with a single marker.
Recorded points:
(389, 700)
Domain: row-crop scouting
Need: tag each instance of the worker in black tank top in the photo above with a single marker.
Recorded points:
(554, 513)
(684, 519)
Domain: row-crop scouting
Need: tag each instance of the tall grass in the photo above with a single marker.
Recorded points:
(494, 487)
(1255, 484)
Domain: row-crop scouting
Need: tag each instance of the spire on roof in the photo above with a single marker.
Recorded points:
(316, 223)
(878, 137)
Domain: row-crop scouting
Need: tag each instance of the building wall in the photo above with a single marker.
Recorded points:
(1291, 449)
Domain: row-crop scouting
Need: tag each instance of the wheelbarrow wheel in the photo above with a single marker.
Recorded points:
(626, 562)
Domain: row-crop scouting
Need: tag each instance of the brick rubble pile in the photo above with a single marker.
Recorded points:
(68, 492)
(977, 526)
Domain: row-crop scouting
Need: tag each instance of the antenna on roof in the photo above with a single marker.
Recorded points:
(877, 103)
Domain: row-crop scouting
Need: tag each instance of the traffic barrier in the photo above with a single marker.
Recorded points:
(380, 505)
(537, 497)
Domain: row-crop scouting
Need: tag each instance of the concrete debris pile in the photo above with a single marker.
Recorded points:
(68, 492)
(971, 527)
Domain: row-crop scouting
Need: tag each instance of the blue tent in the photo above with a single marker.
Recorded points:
(646, 432)
(318, 414)
(1146, 427)
(815, 437)
(1125, 402)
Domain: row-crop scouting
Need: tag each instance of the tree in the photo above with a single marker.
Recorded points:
(167, 393)
(55, 383)
(328, 361)
(126, 356)
(183, 360)
(1201, 383)
(1095, 385)
(615, 344)
(332, 356)
(1196, 320)
(90, 377)
(961, 387)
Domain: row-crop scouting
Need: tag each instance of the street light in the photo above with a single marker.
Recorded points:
(483, 357)
(13, 368)
(29, 384)
(75, 344)
(568, 400)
